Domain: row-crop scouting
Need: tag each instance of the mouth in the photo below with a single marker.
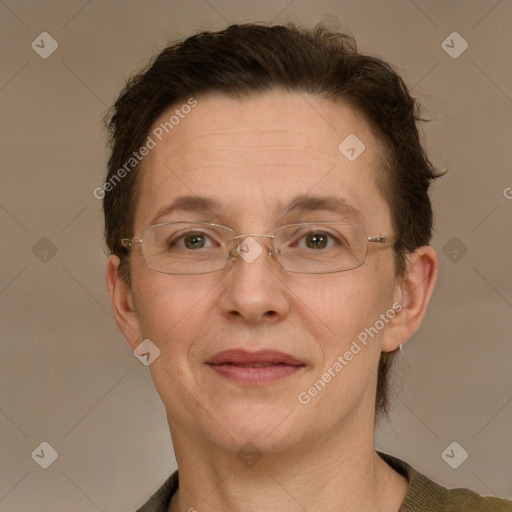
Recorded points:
(254, 368)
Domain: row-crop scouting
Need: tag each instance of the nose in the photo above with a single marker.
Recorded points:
(254, 289)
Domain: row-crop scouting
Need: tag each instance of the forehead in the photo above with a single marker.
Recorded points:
(254, 157)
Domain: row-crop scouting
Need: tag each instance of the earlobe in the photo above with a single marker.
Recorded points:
(123, 304)
(414, 296)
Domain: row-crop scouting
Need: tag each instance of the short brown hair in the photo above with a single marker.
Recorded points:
(248, 59)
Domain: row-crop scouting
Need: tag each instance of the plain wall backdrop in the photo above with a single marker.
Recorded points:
(68, 378)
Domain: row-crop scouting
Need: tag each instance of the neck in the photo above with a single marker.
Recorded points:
(338, 473)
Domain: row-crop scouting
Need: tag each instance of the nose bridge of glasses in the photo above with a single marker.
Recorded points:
(247, 235)
(240, 239)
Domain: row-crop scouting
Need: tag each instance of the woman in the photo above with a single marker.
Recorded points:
(268, 219)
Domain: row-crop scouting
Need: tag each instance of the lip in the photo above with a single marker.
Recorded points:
(240, 356)
(228, 364)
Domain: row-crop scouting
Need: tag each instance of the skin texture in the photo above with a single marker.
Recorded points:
(251, 156)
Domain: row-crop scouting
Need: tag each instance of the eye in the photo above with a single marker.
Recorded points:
(317, 240)
(191, 241)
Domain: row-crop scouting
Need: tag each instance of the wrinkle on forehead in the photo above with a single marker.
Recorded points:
(264, 149)
(233, 156)
(266, 114)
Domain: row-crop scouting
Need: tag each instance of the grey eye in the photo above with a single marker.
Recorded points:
(194, 241)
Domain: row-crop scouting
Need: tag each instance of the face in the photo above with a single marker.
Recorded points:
(250, 160)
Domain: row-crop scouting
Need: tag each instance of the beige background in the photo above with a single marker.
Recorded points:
(67, 376)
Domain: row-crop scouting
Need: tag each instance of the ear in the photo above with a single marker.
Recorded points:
(123, 304)
(413, 295)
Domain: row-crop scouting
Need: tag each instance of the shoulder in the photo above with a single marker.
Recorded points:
(425, 495)
(160, 500)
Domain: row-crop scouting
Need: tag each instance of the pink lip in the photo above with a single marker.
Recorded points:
(228, 363)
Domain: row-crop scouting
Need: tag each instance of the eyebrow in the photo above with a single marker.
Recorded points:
(187, 204)
(313, 203)
(299, 204)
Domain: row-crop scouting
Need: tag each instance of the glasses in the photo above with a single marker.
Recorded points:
(185, 248)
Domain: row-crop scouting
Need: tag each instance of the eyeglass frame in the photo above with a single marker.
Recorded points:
(232, 254)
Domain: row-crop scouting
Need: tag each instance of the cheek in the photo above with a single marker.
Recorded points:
(342, 304)
(340, 313)
(173, 309)
(173, 313)
(329, 307)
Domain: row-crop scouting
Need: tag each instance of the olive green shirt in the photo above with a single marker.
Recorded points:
(423, 495)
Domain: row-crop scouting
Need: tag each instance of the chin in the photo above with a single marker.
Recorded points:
(265, 426)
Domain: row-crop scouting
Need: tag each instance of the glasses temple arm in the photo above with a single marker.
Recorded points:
(382, 239)
(130, 242)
